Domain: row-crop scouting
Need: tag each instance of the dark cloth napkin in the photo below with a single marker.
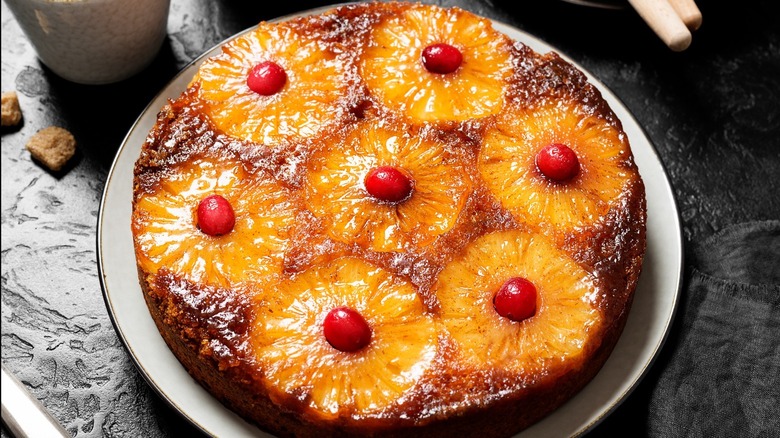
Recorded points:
(718, 374)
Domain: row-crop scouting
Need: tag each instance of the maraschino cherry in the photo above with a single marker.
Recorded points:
(516, 299)
(558, 162)
(389, 184)
(346, 330)
(215, 216)
(441, 58)
(266, 78)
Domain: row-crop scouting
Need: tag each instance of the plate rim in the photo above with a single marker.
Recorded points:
(602, 88)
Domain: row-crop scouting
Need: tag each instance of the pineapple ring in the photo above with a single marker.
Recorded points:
(507, 164)
(165, 224)
(288, 338)
(565, 311)
(308, 101)
(392, 68)
(336, 189)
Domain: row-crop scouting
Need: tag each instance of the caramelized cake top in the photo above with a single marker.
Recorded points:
(398, 165)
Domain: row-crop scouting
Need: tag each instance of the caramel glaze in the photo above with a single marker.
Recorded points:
(207, 327)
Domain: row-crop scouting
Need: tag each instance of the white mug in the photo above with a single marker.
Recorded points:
(94, 41)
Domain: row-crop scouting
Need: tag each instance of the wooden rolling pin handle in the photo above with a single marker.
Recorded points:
(688, 11)
(665, 22)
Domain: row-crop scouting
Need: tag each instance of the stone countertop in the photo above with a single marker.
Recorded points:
(712, 113)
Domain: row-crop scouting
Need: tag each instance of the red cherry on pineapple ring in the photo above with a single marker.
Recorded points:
(441, 58)
(266, 78)
(346, 330)
(516, 299)
(215, 216)
(558, 162)
(389, 184)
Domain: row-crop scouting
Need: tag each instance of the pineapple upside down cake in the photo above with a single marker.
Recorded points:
(388, 219)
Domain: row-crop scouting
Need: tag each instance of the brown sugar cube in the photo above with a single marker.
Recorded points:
(52, 146)
(11, 113)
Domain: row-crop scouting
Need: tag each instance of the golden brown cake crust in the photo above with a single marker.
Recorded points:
(208, 327)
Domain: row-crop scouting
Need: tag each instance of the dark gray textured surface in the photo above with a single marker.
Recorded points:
(720, 375)
(712, 113)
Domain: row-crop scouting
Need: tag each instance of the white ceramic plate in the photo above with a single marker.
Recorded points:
(650, 319)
